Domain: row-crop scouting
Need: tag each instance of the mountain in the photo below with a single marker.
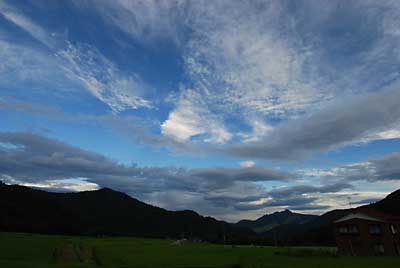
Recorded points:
(270, 221)
(105, 212)
(319, 230)
(390, 204)
(108, 212)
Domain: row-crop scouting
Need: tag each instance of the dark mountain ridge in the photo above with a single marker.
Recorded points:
(108, 212)
(270, 221)
(390, 204)
(319, 230)
(105, 212)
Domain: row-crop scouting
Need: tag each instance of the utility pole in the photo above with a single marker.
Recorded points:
(349, 200)
(224, 234)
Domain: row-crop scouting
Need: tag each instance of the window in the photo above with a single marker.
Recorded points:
(393, 229)
(379, 249)
(375, 229)
(348, 229)
(353, 229)
(343, 229)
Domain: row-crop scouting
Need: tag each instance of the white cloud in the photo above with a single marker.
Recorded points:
(191, 118)
(144, 20)
(240, 67)
(62, 185)
(346, 122)
(245, 58)
(259, 130)
(386, 135)
(27, 24)
(250, 59)
(66, 65)
(28, 68)
(386, 168)
(253, 62)
(247, 164)
(103, 79)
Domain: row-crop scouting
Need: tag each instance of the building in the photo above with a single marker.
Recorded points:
(366, 234)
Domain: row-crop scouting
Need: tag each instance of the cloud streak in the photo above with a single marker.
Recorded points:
(350, 121)
(102, 78)
(382, 169)
(66, 65)
(231, 193)
(30, 158)
(251, 78)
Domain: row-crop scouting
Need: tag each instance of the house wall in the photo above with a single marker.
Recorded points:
(362, 244)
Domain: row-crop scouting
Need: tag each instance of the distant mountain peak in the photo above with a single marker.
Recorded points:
(109, 191)
(270, 221)
(286, 211)
(394, 195)
(105, 190)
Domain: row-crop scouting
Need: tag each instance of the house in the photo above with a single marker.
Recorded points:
(363, 234)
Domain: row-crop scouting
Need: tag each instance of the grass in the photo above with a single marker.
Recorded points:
(32, 250)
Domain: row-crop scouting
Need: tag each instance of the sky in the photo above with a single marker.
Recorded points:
(234, 109)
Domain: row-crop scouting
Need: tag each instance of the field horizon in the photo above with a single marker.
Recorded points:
(36, 250)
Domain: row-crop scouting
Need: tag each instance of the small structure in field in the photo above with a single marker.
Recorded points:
(366, 234)
(179, 242)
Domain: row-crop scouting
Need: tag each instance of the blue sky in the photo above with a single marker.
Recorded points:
(231, 108)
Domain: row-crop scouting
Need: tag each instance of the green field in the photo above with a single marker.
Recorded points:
(31, 250)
